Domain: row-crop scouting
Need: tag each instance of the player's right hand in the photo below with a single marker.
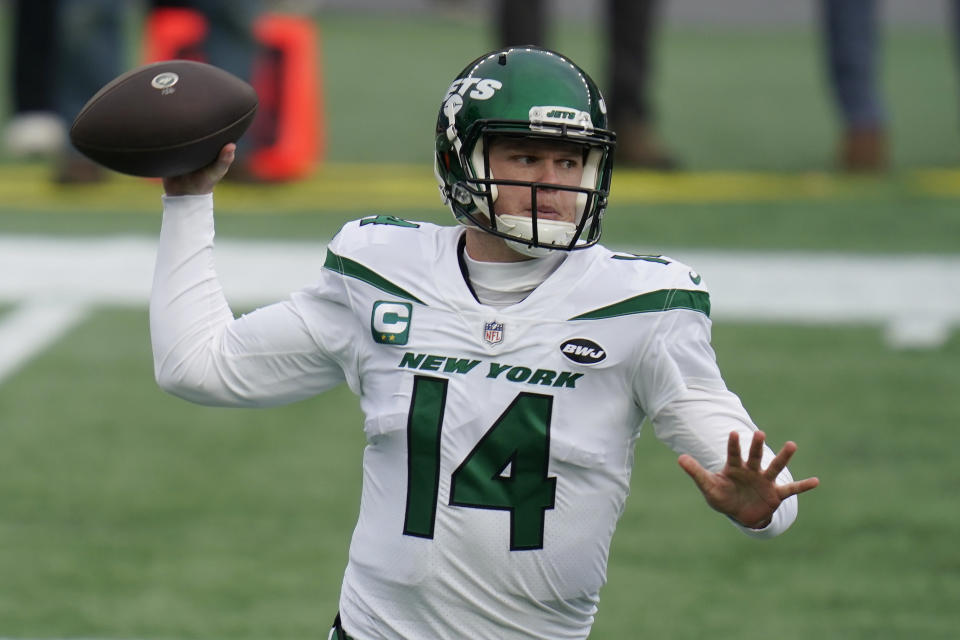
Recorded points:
(202, 181)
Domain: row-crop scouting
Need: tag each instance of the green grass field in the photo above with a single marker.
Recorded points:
(125, 513)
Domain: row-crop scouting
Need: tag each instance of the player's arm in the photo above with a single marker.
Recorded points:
(754, 487)
(201, 352)
(692, 411)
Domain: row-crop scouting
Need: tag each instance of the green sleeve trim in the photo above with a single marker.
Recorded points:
(348, 267)
(663, 300)
(632, 256)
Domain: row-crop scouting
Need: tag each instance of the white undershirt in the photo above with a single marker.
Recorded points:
(501, 284)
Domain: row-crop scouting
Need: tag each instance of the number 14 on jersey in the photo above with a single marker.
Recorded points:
(506, 470)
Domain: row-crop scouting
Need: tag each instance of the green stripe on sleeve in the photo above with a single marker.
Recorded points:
(663, 300)
(348, 267)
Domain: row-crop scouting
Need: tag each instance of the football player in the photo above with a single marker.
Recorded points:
(504, 366)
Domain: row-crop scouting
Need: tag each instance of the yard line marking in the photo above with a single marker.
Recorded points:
(915, 298)
(32, 327)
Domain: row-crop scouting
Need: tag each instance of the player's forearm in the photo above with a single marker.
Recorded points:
(188, 310)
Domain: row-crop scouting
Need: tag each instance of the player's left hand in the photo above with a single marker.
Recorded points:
(742, 489)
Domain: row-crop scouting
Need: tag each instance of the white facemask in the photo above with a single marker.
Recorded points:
(555, 232)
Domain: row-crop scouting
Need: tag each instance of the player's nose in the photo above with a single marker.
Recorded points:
(548, 173)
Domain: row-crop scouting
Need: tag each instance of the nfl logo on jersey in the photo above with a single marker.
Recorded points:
(493, 332)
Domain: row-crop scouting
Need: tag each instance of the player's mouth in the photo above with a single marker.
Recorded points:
(548, 213)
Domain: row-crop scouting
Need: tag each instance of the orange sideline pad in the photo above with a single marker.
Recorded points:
(289, 133)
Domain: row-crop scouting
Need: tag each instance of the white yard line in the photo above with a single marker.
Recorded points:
(52, 281)
(915, 298)
(31, 327)
(117, 271)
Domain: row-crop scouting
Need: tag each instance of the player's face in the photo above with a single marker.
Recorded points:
(543, 161)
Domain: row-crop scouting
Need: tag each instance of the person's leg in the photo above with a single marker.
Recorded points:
(33, 51)
(231, 44)
(851, 46)
(955, 31)
(91, 53)
(631, 25)
(34, 128)
(521, 22)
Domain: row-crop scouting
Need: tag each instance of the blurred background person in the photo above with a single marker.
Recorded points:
(631, 27)
(34, 128)
(85, 48)
(852, 48)
(850, 32)
(90, 52)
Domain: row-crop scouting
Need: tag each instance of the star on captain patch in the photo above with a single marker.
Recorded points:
(493, 332)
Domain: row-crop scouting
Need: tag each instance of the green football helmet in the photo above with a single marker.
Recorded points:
(525, 92)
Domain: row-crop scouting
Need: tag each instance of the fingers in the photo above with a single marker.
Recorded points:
(754, 464)
(226, 157)
(694, 470)
(756, 451)
(754, 456)
(733, 450)
(780, 460)
(217, 170)
(778, 464)
(794, 488)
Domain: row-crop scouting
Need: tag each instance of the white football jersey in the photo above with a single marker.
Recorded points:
(499, 441)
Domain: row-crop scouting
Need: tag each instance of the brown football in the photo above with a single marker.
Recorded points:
(164, 119)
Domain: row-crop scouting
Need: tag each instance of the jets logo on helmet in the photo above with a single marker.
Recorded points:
(542, 118)
(483, 88)
(530, 93)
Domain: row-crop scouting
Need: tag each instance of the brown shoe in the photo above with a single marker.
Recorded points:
(863, 151)
(639, 147)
